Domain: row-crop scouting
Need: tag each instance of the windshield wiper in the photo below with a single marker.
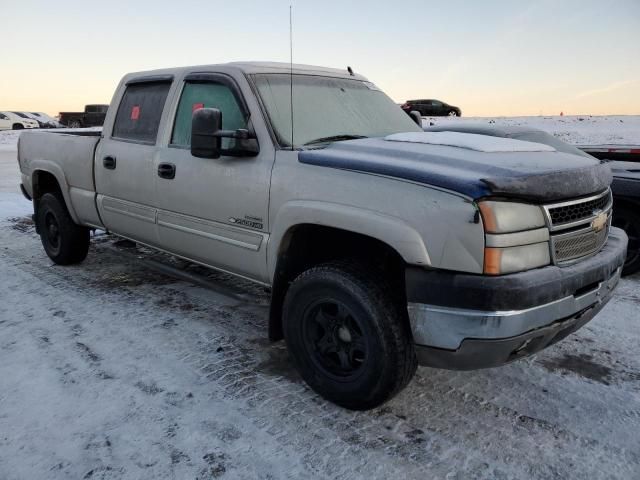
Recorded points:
(335, 138)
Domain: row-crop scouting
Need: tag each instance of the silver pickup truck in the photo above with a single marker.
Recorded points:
(384, 246)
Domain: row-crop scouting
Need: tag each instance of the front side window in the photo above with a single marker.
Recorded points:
(197, 95)
(140, 112)
(328, 107)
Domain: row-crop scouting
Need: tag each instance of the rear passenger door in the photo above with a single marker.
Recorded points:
(124, 161)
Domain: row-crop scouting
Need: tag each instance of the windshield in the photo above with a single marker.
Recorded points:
(328, 109)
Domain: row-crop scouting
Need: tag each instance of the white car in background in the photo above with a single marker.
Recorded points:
(17, 121)
(5, 123)
(44, 120)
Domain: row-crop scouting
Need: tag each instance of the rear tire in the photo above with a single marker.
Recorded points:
(349, 339)
(629, 221)
(75, 124)
(64, 242)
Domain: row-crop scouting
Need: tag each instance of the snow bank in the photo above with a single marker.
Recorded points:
(9, 139)
(14, 205)
(471, 141)
(576, 130)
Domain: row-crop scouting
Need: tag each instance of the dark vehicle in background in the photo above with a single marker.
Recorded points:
(431, 108)
(93, 116)
(624, 161)
(625, 187)
(626, 211)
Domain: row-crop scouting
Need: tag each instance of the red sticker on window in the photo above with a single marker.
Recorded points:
(135, 112)
(197, 106)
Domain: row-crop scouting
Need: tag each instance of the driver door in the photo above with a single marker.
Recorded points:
(214, 211)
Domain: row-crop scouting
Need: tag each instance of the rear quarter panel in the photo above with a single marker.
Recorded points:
(69, 158)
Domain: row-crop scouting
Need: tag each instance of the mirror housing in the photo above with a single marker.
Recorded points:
(206, 136)
(205, 124)
(415, 115)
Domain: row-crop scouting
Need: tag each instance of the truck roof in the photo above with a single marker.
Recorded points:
(252, 68)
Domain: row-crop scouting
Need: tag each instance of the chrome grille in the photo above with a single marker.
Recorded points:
(574, 245)
(578, 228)
(576, 211)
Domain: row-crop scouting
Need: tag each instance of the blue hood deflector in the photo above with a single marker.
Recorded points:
(533, 176)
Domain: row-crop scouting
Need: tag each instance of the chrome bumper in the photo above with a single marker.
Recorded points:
(446, 327)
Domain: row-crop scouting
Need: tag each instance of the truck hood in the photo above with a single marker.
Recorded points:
(475, 167)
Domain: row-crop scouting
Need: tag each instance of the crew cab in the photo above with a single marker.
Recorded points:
(384, 246)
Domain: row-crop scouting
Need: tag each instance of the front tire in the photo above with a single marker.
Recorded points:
(629, 221)
(349, 339)
(452, 113)
(17, 126)
(64, 242)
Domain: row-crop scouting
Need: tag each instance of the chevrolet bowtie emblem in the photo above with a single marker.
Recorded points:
(599, 222)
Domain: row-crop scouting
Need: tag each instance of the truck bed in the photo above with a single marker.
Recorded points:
(69, 156)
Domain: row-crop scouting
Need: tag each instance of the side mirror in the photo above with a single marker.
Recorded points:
(206, 136)
(415, 115)
(205, 125)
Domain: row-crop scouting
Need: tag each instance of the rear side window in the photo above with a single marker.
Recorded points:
(206, 95)
(140, 111)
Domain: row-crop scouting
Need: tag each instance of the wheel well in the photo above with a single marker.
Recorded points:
(304, 246)
(44, 182)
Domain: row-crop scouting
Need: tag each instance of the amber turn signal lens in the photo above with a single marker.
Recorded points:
(488, 217)
(492, 258)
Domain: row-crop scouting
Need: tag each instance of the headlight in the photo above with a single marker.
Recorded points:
(516, 237)
(505, 217)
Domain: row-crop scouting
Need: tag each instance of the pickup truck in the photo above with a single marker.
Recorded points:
(93, 116)
(383, 246)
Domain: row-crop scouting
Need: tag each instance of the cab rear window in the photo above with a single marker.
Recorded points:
(140, 112)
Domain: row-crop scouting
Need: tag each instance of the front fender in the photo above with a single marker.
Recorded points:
(392, 231)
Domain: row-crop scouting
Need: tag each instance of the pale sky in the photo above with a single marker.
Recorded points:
(489, 57)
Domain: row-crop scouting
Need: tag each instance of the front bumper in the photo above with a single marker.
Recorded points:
(462, 321)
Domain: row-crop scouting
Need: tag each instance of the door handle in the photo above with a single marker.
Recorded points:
(167, 170)
(109, 162)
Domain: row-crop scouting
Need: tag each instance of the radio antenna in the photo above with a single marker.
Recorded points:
(291, 69)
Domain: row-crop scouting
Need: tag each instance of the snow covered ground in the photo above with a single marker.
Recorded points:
(112, 370)
(576, 129)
